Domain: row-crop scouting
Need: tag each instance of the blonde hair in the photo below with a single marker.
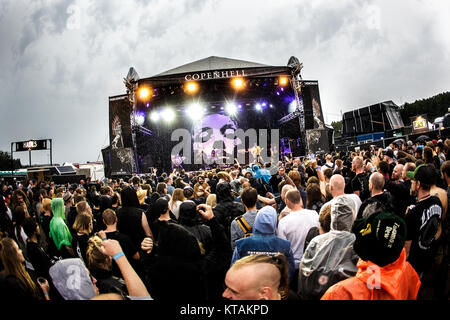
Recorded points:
(224, 176)
(83, 207)
(278, 260)
(83, 221)
(47, 204)
(177, 195)
(95, 257)
(211, 200)
(13, 266)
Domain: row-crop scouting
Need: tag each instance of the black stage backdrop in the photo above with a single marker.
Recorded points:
(259, 106)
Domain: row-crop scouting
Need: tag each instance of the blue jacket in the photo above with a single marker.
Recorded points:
(263, 240)
(261, 173)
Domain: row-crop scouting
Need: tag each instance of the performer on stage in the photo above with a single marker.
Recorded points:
(256, 151)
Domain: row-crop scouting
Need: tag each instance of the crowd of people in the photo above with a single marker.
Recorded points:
(370, 224)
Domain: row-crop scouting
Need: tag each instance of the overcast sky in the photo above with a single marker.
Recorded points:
(61, 60)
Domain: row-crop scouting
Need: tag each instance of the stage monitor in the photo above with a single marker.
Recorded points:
(318, 140)
(118, 161)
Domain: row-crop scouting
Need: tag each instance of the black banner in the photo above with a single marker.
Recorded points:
(119, 122)
(31, 145)
(312, 105)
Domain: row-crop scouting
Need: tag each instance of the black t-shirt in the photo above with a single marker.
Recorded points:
(274, 181)
(391, 168)
(79, 245)
(361, 183)
(157, 225)
(128, 248)
(383, 201)
(39, 259)
(422, 223)
(46, 224)
(400, 191)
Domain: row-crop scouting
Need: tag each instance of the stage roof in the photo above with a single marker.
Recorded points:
(209, 64)
(211, 68)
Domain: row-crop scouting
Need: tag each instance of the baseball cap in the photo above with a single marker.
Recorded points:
(423, 173)
(160, 207)
(389, 153)
(380, 237)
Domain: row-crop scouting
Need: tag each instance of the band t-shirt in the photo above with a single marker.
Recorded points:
(422, 223)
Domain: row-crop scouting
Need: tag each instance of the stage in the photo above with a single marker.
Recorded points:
(210, 112)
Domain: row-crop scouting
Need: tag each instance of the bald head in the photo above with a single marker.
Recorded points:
(285, 189)
(376, 183)
(337, 185)
(397, 173)
(293, 200)
(252, 282)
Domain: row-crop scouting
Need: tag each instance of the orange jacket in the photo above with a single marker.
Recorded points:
(395, 281)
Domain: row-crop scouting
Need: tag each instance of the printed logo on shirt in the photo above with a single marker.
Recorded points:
(430, 220)
(367, 230)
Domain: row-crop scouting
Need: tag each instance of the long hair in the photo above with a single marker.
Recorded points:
(95, 257)
(13, 266)
(178, 195)
(19, 215)
(14, 201)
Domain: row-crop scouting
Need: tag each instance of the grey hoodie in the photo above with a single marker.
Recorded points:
(72, 279)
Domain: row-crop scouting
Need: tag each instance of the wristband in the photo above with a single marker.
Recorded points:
(118, 255)
(104, 239)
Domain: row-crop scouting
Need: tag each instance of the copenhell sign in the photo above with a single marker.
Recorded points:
(215, 75)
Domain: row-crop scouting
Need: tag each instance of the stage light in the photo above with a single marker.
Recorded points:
(168, 115)
(154, 116)
(258, 107)
(238, 83)
(191, 87)
(195, 111)
(140, 119)
(230, 109)
(144, 93)
(292, 106)
(283, 81)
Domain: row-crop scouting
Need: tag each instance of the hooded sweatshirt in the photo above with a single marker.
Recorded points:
(72, 280)
(59, 231)
(263, 240)
(395, 281)
(261, 173)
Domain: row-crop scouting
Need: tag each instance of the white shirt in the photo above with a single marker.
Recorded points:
(176, 208)
(294, 227)
(356, 200)
(328, 165)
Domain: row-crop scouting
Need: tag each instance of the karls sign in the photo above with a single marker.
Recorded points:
(31, 145)
(222, 74)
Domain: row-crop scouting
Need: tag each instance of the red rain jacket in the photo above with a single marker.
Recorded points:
(395, 281)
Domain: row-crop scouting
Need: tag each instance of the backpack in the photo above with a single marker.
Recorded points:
(332, 167)
(244, 226)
